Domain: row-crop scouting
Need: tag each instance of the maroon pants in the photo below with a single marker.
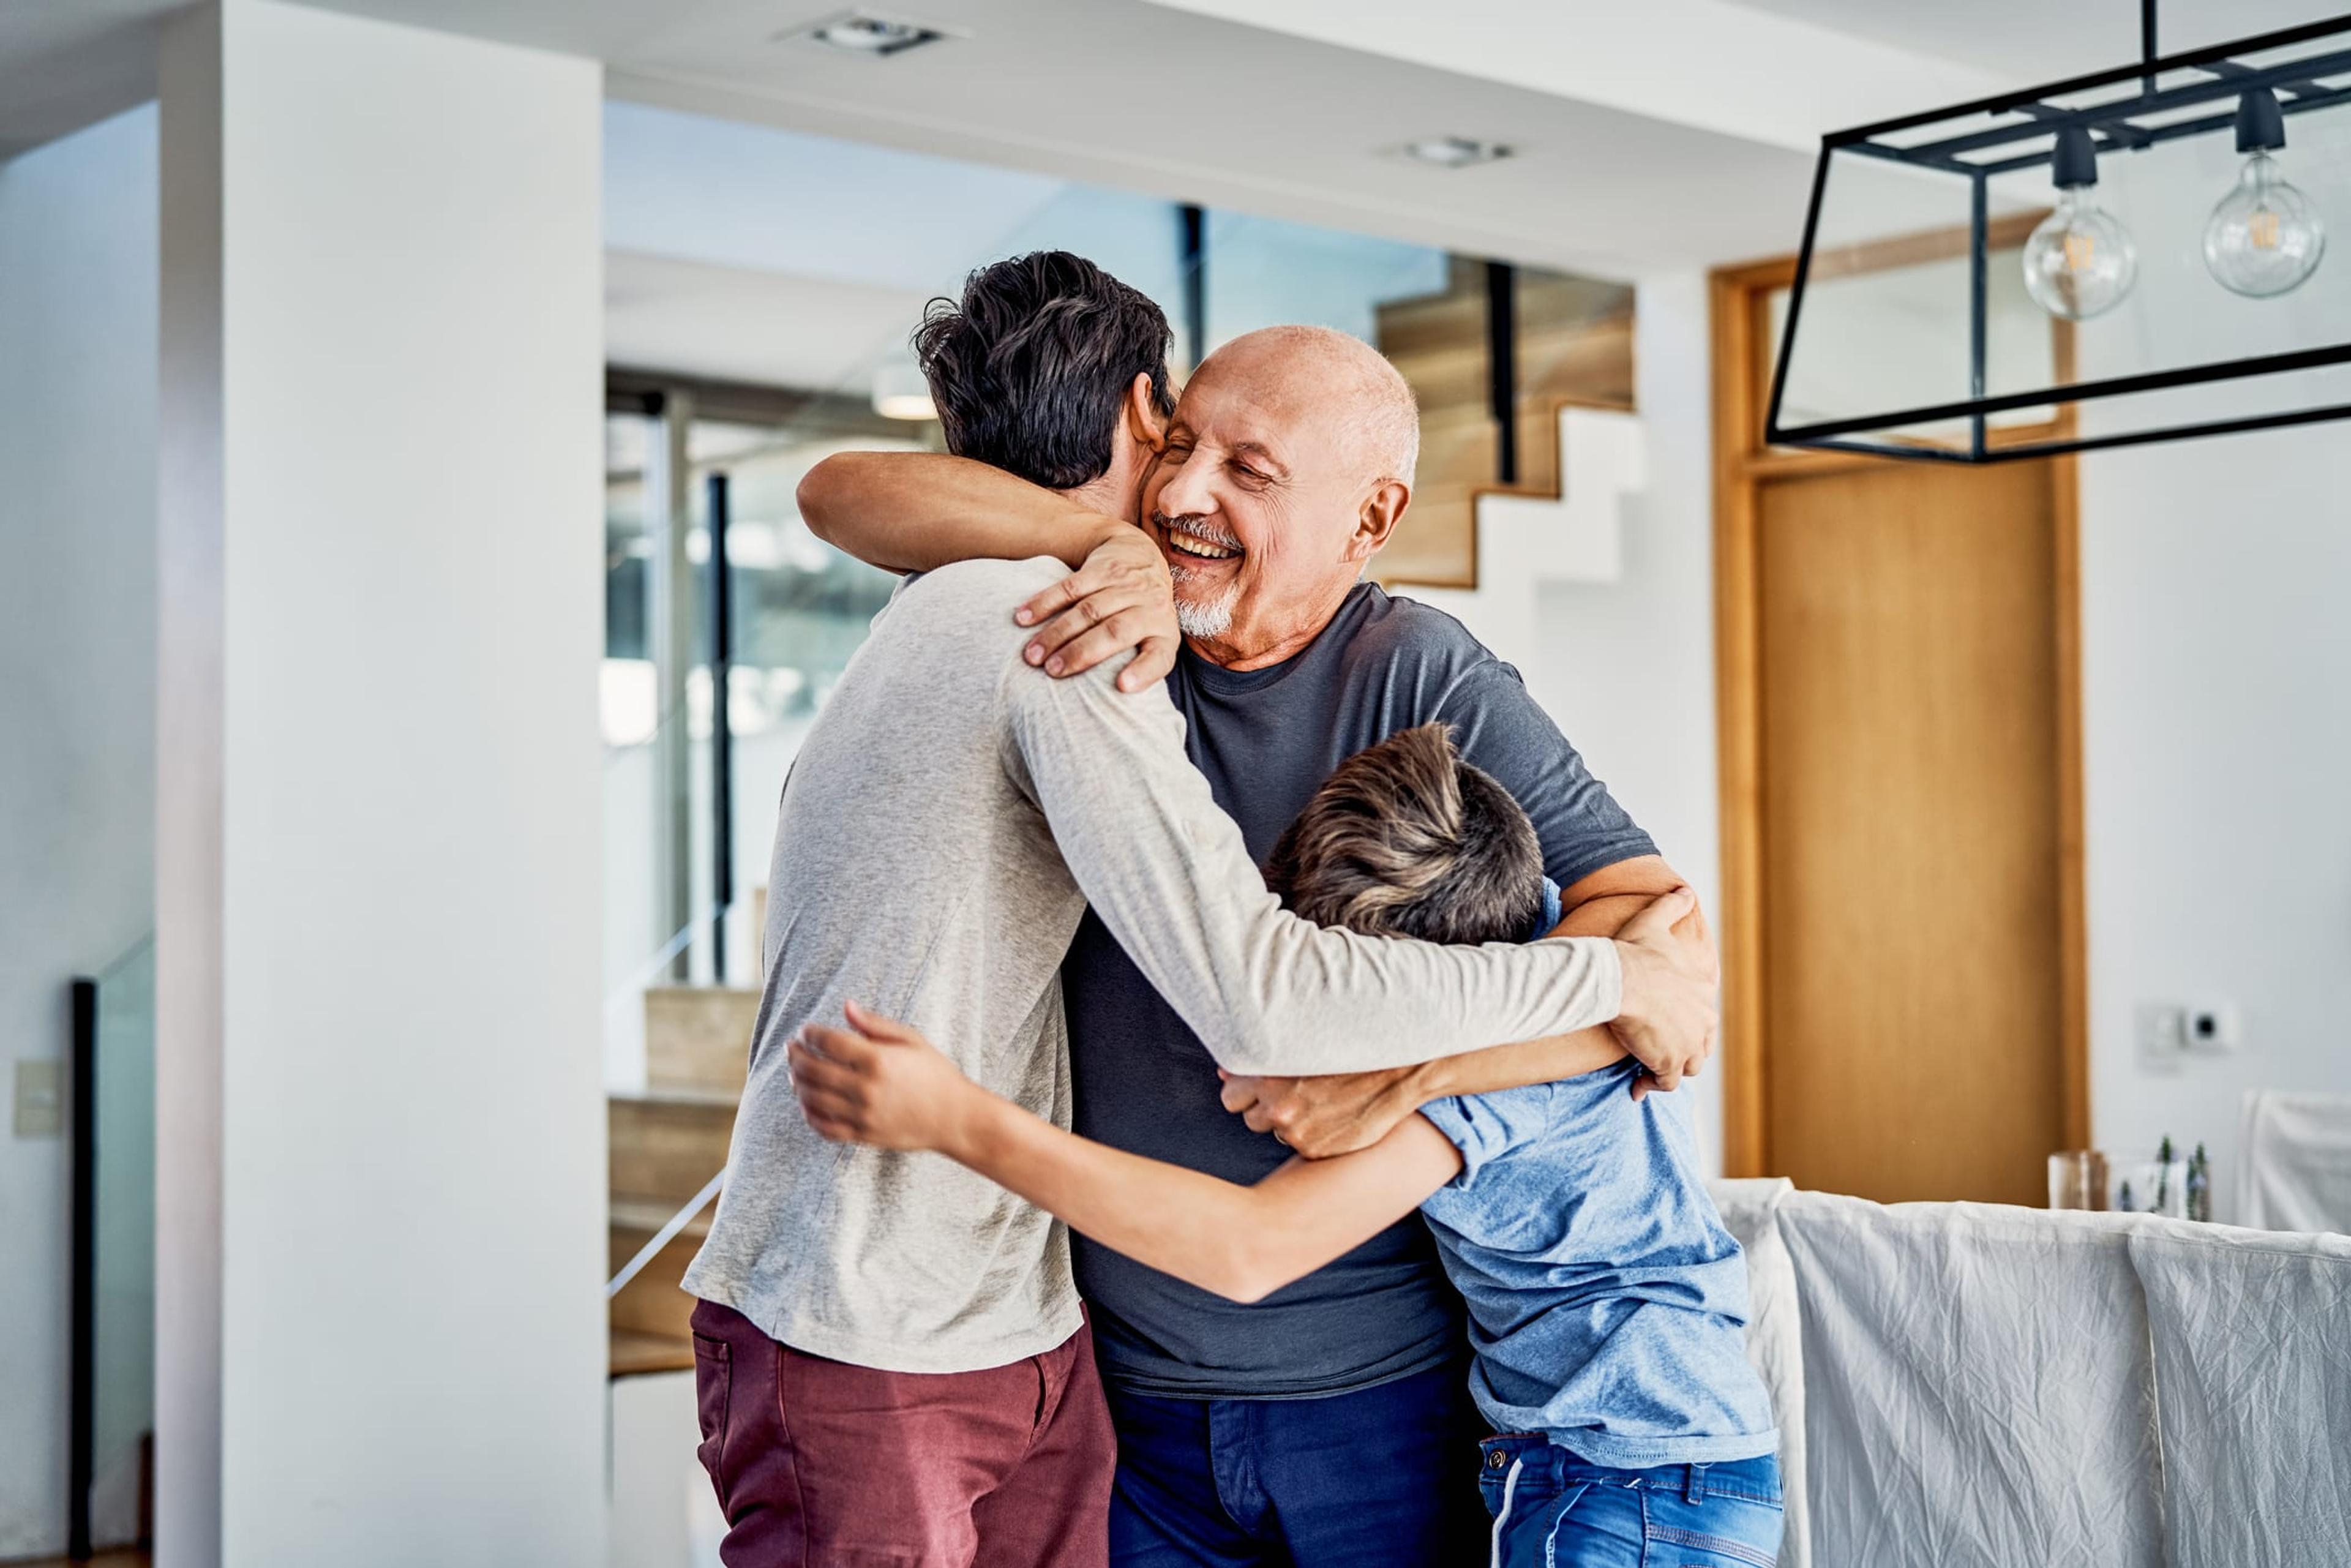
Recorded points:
(819, 1464)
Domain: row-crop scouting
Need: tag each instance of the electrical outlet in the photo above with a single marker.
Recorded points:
(40, 1097)
(2212, 1029)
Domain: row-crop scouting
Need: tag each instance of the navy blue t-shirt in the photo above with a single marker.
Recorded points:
(1267, 739)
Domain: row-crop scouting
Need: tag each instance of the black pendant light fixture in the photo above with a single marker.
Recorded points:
(2046, 272)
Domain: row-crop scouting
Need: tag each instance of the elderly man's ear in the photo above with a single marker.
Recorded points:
(1143, 420)
(1382, 510)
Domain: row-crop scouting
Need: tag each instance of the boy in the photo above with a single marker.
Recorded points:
(1607, 1303)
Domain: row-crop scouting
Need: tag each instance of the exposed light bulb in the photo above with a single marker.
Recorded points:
(2080, 262)
(2265, 237)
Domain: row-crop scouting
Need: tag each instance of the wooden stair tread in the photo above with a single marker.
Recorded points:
(643, 1216)
(699, 1036)
(666, 1144)
(678, 1094)
(634, 1352)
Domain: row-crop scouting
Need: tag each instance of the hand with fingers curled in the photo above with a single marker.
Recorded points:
(879, 1082)
(1121, 600)
(1336, 1113)
(1669, 1013)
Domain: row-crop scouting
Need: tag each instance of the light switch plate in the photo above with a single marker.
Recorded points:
(2162, 1030)
(40, 1097)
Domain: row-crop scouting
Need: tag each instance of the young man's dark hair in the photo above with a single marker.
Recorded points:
(1030, 367)
(1407, 840)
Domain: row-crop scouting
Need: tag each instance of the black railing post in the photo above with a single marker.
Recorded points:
(81, 1428)
(1979, 306)
(722, 733)
(1193, 226)
(1502, 366)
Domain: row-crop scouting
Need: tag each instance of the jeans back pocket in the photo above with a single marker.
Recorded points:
(714, 1385)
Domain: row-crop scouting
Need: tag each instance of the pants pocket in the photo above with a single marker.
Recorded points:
(1525, 1529)
(714, 1388)
(1723, 1531)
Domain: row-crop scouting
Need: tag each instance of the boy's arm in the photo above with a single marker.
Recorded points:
(886, 1085)
(918, 511)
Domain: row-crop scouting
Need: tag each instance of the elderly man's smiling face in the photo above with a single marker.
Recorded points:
(1287, 467)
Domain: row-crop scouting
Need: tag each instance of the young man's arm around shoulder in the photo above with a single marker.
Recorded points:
(883, 1083)
(1266, 991)
(919, 511)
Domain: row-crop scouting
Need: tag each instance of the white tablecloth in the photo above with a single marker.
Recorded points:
(2252, 1361)
(1978, 1391)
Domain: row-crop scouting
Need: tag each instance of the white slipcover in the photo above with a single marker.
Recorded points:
(1978, 1386)
(1774, 1336)
(2294, 1162)
(2253, 1363)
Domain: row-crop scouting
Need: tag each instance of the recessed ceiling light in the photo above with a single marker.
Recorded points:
(1454, 152)
(869, 36)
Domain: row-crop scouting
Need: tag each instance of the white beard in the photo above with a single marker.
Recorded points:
(1204, 617)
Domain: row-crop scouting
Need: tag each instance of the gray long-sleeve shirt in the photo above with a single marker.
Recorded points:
(948, 821)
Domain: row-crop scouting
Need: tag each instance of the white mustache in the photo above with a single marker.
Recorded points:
(1199, 528)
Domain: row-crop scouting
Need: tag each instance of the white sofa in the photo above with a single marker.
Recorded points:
(1968, 1386)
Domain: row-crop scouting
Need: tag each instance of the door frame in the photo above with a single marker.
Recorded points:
(1739, 301)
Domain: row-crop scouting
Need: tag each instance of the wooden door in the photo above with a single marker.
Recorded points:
(1900, 813)
(1910, 830)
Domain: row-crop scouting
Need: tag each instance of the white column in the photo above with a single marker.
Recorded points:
(380, 1153)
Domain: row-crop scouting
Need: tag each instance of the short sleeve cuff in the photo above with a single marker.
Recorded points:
(1476, 1126)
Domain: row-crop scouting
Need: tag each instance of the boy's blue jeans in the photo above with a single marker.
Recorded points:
(1554, 1510)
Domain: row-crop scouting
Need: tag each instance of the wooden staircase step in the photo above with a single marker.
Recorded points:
(641, 1217)
(666, 1144)
(633, 1352)
(699, 1036)
(654, 1302)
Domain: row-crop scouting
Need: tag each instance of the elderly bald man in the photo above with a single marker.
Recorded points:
(1326, 1424)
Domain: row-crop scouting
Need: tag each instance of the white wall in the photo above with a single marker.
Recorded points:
(1627, 667)
(77, 705)
(2217, 707)
(381, 1152)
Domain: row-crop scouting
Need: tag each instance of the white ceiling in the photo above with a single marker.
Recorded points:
(1661, 136)
(2033, 41)
(746, 324)
(1130, 94)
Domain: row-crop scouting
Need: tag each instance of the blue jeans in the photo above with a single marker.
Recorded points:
(1385, 1478)
(1552, 1509)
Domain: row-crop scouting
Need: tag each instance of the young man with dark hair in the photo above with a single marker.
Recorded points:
(1607, 1303)
(1048, 320)
(892, 1362)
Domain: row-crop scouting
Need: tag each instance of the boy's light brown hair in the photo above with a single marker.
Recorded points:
(1407, 840)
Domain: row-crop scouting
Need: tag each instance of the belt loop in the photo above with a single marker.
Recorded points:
(1694, 1488)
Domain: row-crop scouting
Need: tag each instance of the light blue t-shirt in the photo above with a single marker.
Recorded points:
(1607, 1303)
